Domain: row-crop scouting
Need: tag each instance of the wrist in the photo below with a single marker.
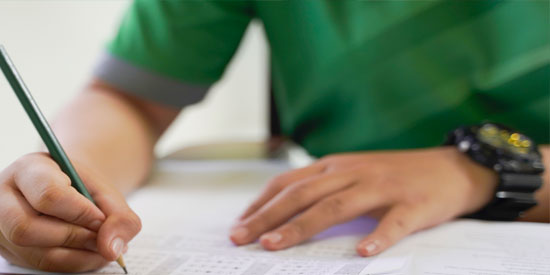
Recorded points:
(541, 212)
(481, 180)
(513, 157)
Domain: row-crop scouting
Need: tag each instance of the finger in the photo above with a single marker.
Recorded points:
(49, 191)
(10, 257)
(288, 203)
(121, 225)
(400, 221)
(22, 226)
(117, 231)
(278, 184)
(60, 259)
(51, 259)
(335, 209)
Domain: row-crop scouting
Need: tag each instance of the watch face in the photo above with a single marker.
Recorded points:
(509, 141)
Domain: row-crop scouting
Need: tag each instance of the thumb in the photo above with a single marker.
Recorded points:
(118, 229)
(121, 224)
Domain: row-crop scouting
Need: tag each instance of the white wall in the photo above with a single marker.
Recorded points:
(54, 44)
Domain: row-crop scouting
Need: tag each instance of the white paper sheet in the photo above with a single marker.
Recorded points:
(188, 209)
(199, 201)
(488, 248)
(206, 254)
(193, 253)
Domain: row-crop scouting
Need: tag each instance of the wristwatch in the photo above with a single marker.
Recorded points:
(513, 156)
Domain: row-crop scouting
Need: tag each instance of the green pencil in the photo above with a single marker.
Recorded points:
(43, 128)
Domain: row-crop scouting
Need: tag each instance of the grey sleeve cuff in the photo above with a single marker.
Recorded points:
(147, 84)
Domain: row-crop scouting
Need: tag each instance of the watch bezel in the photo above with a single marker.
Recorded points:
(498, 159)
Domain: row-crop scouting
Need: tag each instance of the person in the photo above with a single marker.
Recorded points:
(370, 87)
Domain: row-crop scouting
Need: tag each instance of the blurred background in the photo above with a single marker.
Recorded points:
(55, 45)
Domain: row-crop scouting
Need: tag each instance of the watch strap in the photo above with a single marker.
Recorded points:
(513, 196)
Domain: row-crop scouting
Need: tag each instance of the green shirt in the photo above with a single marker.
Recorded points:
(352, 75)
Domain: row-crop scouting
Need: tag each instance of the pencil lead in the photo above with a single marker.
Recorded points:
(121, 263)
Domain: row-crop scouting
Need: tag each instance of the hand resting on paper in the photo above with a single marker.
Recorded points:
(406, 190)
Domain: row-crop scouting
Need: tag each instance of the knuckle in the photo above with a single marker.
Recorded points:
(414, 199)
(296, 230)
(401, 225)
(297, 193)
(63, 178)
(82, 215)
(7, 174)
(46, 262)
(259, 222)
(34, 258)
(50, 196)
(138, 223)
(27, 161)
(22, 162)
(19, 231)
(378, 168)
(279, 181)
(386, 182)
(255, 205)
(5, 179)
(131, 222)
(8, 256)
(334, 206)
(363, 167)
(71, 236)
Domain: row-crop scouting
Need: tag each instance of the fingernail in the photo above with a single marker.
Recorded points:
(91, 245)
(117, 246)
(95, 225)
(371, 247)
(239, 233)
(272, 237)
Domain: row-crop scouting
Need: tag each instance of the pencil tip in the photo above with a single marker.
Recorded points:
(120, 262)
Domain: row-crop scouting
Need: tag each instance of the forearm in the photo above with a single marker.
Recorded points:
(541, 212)
(110, 134)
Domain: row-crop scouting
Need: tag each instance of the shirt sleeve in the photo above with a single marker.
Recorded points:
(172, 51)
